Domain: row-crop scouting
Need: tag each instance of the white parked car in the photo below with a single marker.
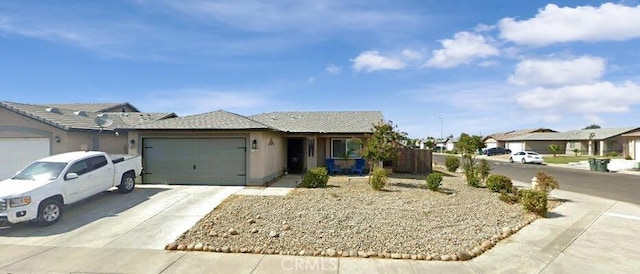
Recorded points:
(526, 157)
(39, 191)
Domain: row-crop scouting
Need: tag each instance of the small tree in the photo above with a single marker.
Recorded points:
(576, 151)
(468, 146)
(592, 126)
(555, 149)
(382, 144)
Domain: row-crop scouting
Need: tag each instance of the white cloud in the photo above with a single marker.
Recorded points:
(462, 49)
(372, 61)
(594, 119)
(554, 24)
(411, 54)
(602, 97)
(558, 72)
(333, 69)
(311, 80)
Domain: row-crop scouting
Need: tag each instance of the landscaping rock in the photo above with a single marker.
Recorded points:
(171, 246)
(353, 253)
(254, 230)
(486, 245)
(226, 249)
(464, 255)
(396, 256)
(286, 227)
(213, 233)
(273, 234)
(406, 256)
(476, 251)
(198, 247)
(331, 252)
(251, 221)
(258, 250)
(363, 254)
(445, 257)
(232, 231)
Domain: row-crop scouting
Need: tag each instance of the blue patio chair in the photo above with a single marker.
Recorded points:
(332, 168)
(358, 167)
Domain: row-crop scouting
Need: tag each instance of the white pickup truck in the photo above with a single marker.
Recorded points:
(39, 191)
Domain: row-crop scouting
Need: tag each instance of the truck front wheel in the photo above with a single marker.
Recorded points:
(128, 183)
(49, 212)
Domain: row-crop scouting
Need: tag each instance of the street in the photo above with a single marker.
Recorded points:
(621, 187)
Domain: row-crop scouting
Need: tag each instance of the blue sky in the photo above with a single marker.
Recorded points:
(483, 66)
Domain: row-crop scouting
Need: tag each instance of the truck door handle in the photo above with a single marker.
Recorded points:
(194, 167)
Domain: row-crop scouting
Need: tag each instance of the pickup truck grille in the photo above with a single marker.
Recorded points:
(3, 205)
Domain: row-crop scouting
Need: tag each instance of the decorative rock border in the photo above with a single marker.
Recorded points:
(462, 255)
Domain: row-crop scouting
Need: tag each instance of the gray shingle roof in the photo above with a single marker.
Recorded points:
(67, 119)
(93, 107)
(321, 121)
(212, 120)
(574, 135)
(502, 136)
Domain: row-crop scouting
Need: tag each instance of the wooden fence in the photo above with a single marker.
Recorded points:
(413, 161)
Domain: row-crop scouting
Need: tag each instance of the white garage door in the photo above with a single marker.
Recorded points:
(16, 153)
(515, 146)
(195, 161)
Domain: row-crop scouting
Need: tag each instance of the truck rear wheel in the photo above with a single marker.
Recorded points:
(128, 183)
(49, 212)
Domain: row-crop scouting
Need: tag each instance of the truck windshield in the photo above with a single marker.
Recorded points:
(41, 171)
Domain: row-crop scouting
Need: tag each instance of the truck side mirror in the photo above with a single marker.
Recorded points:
(71, 176)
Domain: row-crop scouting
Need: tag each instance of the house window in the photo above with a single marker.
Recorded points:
(342, 147)
(572, 145)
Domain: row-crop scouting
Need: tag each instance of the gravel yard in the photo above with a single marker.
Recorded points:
(349, 218)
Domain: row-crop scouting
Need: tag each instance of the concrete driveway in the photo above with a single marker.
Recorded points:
(148, 218)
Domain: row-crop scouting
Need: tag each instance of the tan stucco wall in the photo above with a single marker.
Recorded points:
(543, 146)
(269, 159)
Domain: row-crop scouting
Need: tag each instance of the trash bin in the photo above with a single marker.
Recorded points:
(592, 164)
(602, 165)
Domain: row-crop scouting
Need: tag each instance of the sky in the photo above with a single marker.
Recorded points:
(432, 67)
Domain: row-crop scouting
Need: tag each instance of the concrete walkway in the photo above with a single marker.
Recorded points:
(584, 235)
(281, 187)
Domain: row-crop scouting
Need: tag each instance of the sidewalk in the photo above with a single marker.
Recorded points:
(584, 235)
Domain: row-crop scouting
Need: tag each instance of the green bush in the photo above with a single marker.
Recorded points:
(316, 177)
(628, 157)
(499, 183)
(433, 181)
(612, 154)
(483, 170)
(378, 178)
(534, 201)
(452, 163)
(509, 198)
(472, 178)
(546, 182)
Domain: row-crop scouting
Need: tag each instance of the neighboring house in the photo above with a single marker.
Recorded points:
(499, 139)
(29, 132)
(631, 144)
(450, 143)
(224, 148)
(600, 141)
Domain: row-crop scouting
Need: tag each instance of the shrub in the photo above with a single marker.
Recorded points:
(483, 170)
(499, 183)
(534, 201)
(509, 198)
(378, 178)
(546, 182)
(452, 163)
(434, 180)
(628, 157)
(316, 177)
(576, 151)
(472, 178)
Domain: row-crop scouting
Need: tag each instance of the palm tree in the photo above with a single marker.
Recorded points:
(555, 149)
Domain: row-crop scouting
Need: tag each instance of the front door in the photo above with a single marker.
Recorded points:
(295, 155)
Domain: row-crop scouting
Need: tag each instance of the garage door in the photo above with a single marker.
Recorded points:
(16, 153)
(195, 161)
(515, 146)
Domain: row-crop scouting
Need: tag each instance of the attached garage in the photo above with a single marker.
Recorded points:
(19, 152)
(195, 161)
(515, 146)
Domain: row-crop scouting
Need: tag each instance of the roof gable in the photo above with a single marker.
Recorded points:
(67, 119)
(321, 121)
(574, 135)
(96, 107)
(503, 136)
(212, 120)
